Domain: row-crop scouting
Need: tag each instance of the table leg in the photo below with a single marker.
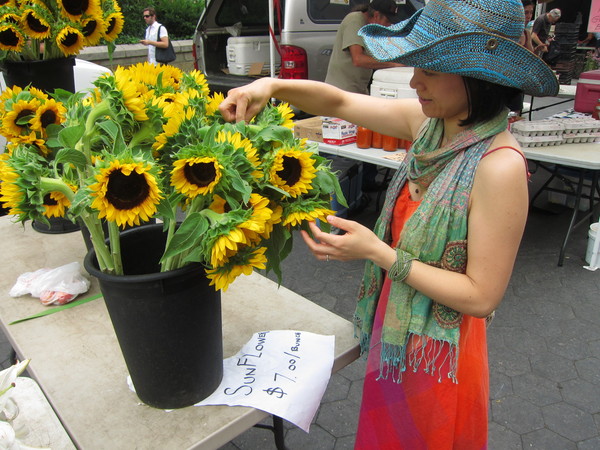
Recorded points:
(561, 255)
(278, 431)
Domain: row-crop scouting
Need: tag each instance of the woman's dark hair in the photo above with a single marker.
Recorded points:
(527, 3)
(486, 99)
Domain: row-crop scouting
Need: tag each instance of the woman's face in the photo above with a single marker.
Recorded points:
(528, 14)
(442, 95)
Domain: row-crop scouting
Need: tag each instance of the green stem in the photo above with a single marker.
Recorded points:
(56, 185)
(142, 135)
(168, 263)
(94, 227)
(100, 110)
(115, 247)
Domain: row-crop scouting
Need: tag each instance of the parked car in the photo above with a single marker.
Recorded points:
(306, 33)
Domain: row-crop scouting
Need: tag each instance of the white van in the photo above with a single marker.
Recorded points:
(232, 37)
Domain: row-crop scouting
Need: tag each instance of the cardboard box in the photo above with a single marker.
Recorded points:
(311, 128)
(338, 131)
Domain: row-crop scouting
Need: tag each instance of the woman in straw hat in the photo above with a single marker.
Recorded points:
(442, 252)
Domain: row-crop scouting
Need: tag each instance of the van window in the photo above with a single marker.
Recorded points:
(328, 11)
(251, 13)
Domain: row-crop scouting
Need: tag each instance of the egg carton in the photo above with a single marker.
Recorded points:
(537, 128)
(581, 125)
(538, 141)
(580, 138)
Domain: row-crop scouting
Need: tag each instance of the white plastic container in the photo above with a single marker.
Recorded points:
(244, 51)
(592, 233)
(393, 83)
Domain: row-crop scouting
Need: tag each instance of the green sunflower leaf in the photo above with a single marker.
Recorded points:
(189, 233)
(69, 137)
(71, 156)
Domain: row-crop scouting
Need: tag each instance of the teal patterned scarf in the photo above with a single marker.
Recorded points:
(436, 233)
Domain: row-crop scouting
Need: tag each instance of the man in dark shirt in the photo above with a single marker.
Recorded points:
(541, 30)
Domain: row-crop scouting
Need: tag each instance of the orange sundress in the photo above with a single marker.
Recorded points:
(422, 411)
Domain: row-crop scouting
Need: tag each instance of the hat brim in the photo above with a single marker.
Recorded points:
(489, 57)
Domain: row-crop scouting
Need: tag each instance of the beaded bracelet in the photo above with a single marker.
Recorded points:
(400, 269)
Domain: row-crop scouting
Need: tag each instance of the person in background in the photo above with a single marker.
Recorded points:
(351, 67)
(152, 39)
(516, 104)
(441, 255)
(540, 33)
(525, 40)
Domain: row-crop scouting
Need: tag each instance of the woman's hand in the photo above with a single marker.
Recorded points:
(358, 242)
(245, 102)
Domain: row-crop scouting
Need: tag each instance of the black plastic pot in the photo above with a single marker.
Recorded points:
(58, 225)
(46, 75)
(168, 324)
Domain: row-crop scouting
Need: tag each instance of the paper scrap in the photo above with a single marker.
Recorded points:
(282, 372)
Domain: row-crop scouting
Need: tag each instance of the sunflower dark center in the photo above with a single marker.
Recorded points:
(48, 117)
(291, 170)
(89, 28)
(201, 174)
(9, 38)
(23, 116)
(112, 23)
(127, 191)
(35, 24)
(49, 201)
(70, 39)
(75, 7)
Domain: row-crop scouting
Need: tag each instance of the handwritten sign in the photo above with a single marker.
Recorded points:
(594, 23)
(282, 372)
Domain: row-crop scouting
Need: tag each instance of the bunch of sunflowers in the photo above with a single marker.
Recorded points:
(149, 142)
(31, 30)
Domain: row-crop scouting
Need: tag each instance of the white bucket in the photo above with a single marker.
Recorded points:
(592, 233)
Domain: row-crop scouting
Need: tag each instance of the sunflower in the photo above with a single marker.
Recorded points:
(114, 26)
(305, 211)
(256, 225)
(55, 204)
(236, 140)
(227, 245)
(286, 114)
(11, 3)
(93, 29)
(196, 79)
(70, 40)
(11, 37)
(75, 9)
(12, 121)
(213, 103)
(11, 194)
(129, 94)
(196, 175)
(126, 193)
(51, 112)
(244, 262)
(36, 21)
(293, 170)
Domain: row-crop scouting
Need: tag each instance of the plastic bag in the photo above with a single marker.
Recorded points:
(53, 286)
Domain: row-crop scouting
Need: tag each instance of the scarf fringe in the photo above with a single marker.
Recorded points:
(395, 360)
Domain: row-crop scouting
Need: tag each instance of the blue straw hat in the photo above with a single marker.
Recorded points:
(472, 38)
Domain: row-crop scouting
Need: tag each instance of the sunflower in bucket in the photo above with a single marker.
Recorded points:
(32, 30)
(148, 143)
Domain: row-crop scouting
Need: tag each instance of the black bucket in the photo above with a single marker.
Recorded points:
(168, 324)
(47, 75)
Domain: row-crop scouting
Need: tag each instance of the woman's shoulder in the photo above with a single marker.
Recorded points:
(504, 160)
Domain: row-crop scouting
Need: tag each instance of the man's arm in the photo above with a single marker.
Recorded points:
(361, 59)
